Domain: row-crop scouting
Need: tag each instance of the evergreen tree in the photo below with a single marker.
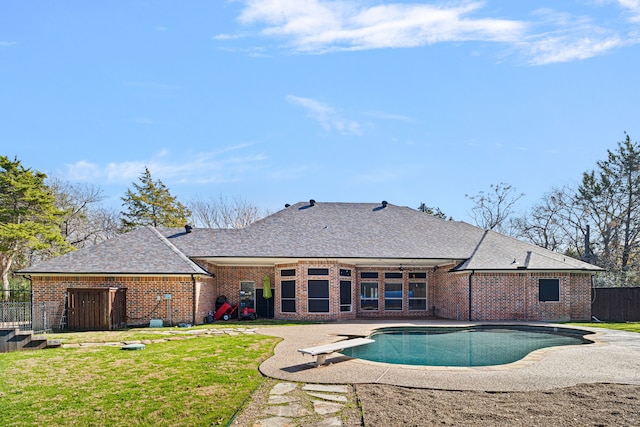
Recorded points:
(151, 203)
(29, 220)
(611, 197)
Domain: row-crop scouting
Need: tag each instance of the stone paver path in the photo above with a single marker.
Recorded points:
(289, 404)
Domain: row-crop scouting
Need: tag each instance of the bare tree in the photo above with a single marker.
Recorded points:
(493, 209)
(219, 212)
(85, 222)
(557, 223)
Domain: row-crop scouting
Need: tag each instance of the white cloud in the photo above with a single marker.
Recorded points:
(564, 38)
(633, 8)
(550, 50)
(228, 164)
(321, 26)
(326, 116)
(83, 171)
(389, 116)
(226, 37)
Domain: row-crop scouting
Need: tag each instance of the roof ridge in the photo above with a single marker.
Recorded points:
(177, 251)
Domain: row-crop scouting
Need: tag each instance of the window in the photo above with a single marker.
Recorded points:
(288, 272)
(393, 296)
(318, 296)
(393, 275)
(549, 289)
(288, 296)
(369, 295)
(369, 275)
(318, 272)
(345, 295)
(417, 296)
(345, 272)
(416, 275)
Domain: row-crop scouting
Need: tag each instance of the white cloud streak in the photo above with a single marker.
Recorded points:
(633, 9)
(321, 26)
(228, 164)
(326, 116)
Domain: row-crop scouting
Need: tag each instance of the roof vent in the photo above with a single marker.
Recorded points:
(188, 228)
(312, 202)
(384, 203)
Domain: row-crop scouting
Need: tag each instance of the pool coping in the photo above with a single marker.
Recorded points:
(613, 357)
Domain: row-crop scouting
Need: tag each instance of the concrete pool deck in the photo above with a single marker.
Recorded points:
(614, 357)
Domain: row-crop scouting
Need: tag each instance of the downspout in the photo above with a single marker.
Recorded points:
(470, 293)
(195, 304)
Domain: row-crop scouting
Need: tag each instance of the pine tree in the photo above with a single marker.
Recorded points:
(29, 220)
(151, 203)
(611, 197)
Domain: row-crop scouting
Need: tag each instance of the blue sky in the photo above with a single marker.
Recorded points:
(277, 102)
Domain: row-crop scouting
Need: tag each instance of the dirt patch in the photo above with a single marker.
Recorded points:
(580, 405)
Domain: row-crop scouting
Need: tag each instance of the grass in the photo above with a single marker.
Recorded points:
(622, 326)
(203, 380)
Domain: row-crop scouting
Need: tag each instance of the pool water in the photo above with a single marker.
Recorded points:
(469, 346)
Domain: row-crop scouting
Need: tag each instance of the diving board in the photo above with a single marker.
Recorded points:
(322, 351)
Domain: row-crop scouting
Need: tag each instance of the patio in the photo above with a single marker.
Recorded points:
(613, 358)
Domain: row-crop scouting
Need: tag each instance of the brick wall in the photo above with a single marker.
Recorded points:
(495, 296)
(451, 293)
(146, 295)
(515, 296)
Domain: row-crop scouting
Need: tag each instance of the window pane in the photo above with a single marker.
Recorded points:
(289, 306)
(288, 289)
(369, 296)
(369, 304)
(345, 292)
(369, 290)
(417, 290)
(318, 306)
(393, 290)
(369, 275)
(549, 289)
(288, 272)
(417, 275)
(318, 272)
(417, 304)
(393, 304)
(345, 273)
(318, 289)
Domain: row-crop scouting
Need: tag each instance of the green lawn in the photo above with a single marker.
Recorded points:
(198, 381)
(623, 326)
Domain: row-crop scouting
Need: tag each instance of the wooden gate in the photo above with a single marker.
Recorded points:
(616, 304)
(96, 309)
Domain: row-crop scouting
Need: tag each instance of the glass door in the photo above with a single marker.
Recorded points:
(247, 308)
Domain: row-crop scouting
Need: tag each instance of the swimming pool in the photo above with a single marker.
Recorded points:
(480, 345)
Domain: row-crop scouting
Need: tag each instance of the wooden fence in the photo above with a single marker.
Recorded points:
(616, 304)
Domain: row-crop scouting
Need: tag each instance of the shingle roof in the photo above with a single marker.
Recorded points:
(499, 252)
(141, 251)
(337, 230)
(324, 230)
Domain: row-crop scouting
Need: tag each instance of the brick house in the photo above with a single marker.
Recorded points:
(327, 261)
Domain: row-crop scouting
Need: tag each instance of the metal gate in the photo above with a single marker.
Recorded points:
(96, 309)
